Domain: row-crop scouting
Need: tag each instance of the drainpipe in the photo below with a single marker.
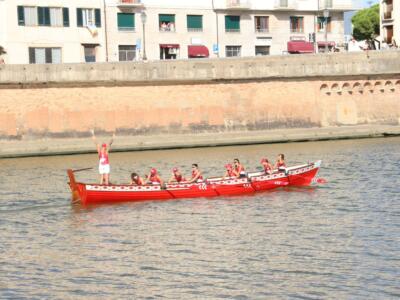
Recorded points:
(217, 28)
(105, 28)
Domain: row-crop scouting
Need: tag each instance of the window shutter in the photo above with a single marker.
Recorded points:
(31, 55)
(46, 16)
(126, 20)
(48, 55)
(232, 22)
(97, 17)
(21, 16)
(66, 16)
(40, 16)
(195, 21)
(167, 18)
(79, 17)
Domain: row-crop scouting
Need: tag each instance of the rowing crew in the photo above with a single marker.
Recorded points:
(235, 171)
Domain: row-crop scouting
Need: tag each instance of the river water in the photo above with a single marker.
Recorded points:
(339, 240)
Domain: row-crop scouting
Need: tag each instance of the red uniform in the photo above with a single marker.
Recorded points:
(194, 174)
(179, 177)
(155, 178)
(267, 168)
(103, 158)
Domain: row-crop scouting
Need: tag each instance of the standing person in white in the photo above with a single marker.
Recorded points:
(104, 162)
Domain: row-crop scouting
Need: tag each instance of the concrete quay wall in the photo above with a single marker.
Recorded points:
(50, 109)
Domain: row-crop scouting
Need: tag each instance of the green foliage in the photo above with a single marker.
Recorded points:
(366, 23)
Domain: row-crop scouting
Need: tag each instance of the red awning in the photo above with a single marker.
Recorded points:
(198, 51)
(300, 47)
(169, 45)
(330, 44)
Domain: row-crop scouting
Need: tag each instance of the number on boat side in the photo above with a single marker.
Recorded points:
(246, 185)
(202, 186)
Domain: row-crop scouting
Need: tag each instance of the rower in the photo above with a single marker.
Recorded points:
(136, 179)
(196, 174)
(267, 166)
(176, 176)
(238, 169)
(154, 178)
(280, 163)
(229, 171)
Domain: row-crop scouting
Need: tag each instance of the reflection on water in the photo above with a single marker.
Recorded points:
(339, 240)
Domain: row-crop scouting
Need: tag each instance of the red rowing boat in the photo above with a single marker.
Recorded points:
(302, 175)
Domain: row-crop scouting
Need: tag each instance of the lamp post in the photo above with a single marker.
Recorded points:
(326, 15)
(143, 17)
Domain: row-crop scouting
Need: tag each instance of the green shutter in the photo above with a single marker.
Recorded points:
(232, 23)
(126, 20)
(97, 17)
(195, 22)
(66, 16)
(167, 18)
(43, 16)
(21, 16)
(79, 17)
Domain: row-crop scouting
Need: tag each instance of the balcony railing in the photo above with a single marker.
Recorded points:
(335, 4)
(129, 3)
(238, 4)
(285, 4)
(387, 15)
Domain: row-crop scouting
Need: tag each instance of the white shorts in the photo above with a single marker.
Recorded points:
(104, 169)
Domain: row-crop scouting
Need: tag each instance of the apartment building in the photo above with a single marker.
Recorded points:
(54, 31)
(390, 22)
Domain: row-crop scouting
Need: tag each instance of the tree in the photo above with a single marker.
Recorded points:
(366, 23)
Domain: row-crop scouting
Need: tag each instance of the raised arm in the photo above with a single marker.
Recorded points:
(95, 141)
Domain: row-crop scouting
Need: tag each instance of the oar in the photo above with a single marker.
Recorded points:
(84, 169)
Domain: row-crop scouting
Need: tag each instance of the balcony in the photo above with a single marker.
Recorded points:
(285, 4)
(129, 3)
(238, 4)
(339, 5)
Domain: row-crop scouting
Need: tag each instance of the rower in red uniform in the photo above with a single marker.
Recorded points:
(196, 174)
(280, 163)
(104, 162)
(176, 176)
(267, 166)
(154, 178)
(136, 179)
(229, 171)
(238, 169)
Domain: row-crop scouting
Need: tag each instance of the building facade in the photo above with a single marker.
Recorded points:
(54, 31)
(390, 22)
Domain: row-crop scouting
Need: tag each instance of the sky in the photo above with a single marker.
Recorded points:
(358, 4)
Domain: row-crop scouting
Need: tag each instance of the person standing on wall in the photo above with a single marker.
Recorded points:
(104, 163)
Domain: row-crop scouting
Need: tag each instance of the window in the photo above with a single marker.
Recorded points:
(126, 22)
(296, 24)
(87, 17)
(262, 50)
(321, 24)
(90, 52)
(233, 51)
(127, 53)
(261, 24)
(43, 16)
(232, 23)
(44, 55)
(166, 22)
(194, 23)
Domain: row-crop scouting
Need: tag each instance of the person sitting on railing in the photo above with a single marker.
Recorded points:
(238, 169)
(154, 178)
(176, 176)
(196, 174)
(267, 166)
(136, 179)
(280, 163)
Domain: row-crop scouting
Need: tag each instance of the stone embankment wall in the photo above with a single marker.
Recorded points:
(47, 109)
